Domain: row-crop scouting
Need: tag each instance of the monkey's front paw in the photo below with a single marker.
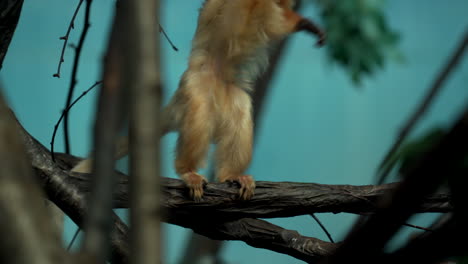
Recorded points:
(195, 182)
(247, 187)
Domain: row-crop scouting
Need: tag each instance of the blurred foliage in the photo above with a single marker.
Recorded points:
(358, 36)
(463, 260)
(408, 154)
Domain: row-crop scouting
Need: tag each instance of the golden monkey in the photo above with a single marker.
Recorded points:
(212, 104)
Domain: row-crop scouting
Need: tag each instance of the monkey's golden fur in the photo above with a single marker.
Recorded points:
(212, 104)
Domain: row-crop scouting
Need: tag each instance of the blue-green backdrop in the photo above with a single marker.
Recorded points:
(316, 127)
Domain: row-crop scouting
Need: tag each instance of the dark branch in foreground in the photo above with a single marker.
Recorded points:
(98, 222)
(9, 16)
(448, 68)
(365, 242)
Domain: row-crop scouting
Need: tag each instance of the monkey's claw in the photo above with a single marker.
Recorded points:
(247, 187)
(195, 182)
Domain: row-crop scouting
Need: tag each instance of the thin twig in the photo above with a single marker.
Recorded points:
(64, 112)
(73, 79)
(161, 30)
(436, 86)
(75, 235)
(322, 227)
(418, 227)
(65, 39)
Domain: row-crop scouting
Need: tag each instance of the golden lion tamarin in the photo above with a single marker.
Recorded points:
(212, 104)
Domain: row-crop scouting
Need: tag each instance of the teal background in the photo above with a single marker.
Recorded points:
(316, 127)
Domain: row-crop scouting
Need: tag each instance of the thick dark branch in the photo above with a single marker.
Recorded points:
(9, 16)
(272, 199)
(258, 233)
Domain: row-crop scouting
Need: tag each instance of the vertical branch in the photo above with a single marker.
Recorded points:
(143, 74)
(9, 16)
(73, 80)
(98, 223)
(28, 236)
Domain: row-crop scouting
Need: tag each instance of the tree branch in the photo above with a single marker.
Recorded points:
(9, 17)
(76, 63)
(258, 233)
(275, 199)
(142, 74)
(220, 215)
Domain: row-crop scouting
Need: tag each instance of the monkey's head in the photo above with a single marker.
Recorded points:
(254, 21)
(284, 21)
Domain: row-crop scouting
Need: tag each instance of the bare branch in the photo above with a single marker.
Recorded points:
(9, 17)
(65, 112)
(65, 38)
(73, 80)
(161, 30)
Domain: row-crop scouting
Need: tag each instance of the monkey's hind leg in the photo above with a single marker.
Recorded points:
(234, 152)
(193, 144)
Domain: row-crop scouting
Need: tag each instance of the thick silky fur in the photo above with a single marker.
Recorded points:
(212, 104)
